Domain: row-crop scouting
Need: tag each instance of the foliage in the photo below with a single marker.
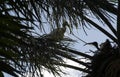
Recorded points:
(104, 61)
(21, 51)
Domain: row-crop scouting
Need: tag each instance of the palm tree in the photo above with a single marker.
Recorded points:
(21, 51)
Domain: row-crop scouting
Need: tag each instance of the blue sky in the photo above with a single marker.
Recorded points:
(93, 35)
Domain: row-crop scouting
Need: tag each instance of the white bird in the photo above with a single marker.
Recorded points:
(58, 33)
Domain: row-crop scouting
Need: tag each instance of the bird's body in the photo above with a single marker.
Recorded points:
(58, 33)
(105, 47)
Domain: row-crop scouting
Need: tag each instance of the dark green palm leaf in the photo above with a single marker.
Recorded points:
(19, 17)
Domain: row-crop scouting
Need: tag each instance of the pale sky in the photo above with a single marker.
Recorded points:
(93, 35)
